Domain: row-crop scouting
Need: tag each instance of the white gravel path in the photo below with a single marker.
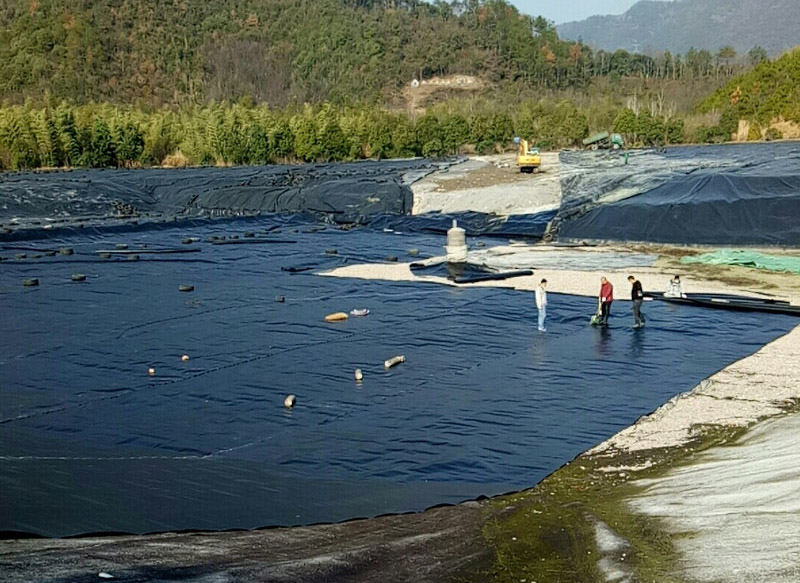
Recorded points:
(737, 506)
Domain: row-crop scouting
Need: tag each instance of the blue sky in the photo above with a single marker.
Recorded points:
(560, 11)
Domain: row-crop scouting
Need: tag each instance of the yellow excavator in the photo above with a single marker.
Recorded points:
(528, 159)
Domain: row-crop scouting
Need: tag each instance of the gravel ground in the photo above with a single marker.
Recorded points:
(490, 184)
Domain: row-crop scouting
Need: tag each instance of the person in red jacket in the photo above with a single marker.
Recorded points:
(606, 297)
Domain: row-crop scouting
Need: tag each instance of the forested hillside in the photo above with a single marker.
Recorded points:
(276, 51)
(766, 99)
(656, 26)
(153, 52)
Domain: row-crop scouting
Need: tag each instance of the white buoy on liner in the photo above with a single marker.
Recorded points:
(394, 361)
(456, 247)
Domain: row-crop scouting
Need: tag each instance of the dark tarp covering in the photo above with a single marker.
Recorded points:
(465, 272)
(52, 204)
(344, 192)
(483, 404)
(474, 223)
(745, 194)
(729, 302)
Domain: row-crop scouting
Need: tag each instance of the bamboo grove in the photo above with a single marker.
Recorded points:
(237, 134)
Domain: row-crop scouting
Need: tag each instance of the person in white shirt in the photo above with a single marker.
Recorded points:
(541, 303)
(675, 289)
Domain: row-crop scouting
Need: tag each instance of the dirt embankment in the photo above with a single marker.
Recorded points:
(750, 131)
(490, 184)
(421, 93)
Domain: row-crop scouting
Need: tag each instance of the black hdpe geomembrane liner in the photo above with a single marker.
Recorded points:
(746, 194)
(483, 404)
(343, 191)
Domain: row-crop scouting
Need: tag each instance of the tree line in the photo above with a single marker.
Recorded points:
(240, 134)
(695, 64)
(141, 83)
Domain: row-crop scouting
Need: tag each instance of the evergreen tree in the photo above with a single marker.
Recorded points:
(258, 150)
(427, 135)
(102, 152)
(159, 140)
(304, 131)
(381, 139)
(454, 133)
(756, 56)
(501, 128)
(19, 142)
(403, 137)
(674, 129)
(130, 145)
(47, 142)
(281, 140)
(331, 142)
(625, 124)
(433, 148)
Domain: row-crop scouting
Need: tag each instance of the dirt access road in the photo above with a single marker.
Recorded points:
(490, 184)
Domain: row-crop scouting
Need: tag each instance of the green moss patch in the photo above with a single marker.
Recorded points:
(547, 534)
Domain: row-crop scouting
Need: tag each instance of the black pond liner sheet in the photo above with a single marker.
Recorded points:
(729, 302)
(465, 272)
(34, 205)
(746, 194)
(474, 223)
(341, 192)
(484, 403)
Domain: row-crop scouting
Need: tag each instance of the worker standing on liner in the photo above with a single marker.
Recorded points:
(606, 297)
(637, 297)
(675, 289)
(541, 303)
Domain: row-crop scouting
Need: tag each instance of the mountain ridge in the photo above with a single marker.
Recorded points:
(655, 26)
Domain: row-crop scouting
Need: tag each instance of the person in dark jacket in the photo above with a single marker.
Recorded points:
(637, 296)
(606, 297)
